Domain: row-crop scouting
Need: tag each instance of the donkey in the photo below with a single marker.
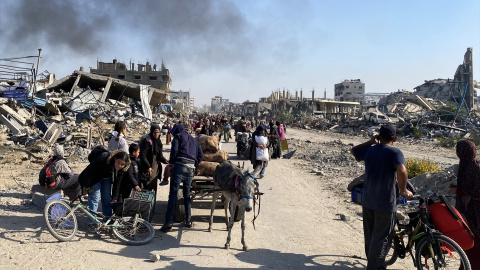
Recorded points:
(238, 187)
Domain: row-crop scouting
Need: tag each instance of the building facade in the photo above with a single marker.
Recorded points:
(350, 91)
(144, 74)
(219, 104)
(182, 97)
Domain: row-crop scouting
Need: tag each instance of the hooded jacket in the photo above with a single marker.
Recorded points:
(184, 146)
(101, 167)
(130, 180)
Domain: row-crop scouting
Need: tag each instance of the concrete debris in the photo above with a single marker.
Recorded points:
(77, 119)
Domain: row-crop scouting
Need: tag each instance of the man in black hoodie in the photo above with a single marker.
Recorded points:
(185, 155)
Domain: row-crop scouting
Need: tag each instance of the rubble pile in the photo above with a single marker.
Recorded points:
(76, 124)
(326, 158)
(439, 182)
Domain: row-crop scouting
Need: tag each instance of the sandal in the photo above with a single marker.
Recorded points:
(166, 228)
(188, 224)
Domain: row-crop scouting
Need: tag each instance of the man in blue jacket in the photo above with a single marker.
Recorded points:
(185, 155)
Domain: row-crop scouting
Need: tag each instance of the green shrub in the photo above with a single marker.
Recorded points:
(417, 132)
(417, 166)
(449, 142)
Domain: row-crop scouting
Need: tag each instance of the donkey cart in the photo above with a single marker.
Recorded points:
(201, 195)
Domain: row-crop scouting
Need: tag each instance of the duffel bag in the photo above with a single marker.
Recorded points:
(451, 223)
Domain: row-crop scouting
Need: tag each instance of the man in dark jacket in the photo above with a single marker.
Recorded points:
(151, 159)
(185, 155)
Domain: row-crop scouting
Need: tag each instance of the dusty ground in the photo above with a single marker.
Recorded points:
(298, 227)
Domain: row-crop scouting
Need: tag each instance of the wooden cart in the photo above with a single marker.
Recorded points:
(201, 195)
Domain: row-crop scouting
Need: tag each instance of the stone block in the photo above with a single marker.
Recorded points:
(40, 199)
(43, 190)
(5, 110)
(9, 124)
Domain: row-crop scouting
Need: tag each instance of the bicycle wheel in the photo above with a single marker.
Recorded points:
(60, 226)
(444, 254)
(392, 254)
(133, 231)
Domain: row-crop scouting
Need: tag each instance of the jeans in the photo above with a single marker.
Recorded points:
(180, 174)
(377, 228)
(259, 165)
(103, 189)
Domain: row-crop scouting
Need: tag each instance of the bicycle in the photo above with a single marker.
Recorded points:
(62, 223)
(432, 249)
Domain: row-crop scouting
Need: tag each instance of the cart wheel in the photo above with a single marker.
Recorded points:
(179, 207)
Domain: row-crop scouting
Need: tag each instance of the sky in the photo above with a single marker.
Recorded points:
(243, 50)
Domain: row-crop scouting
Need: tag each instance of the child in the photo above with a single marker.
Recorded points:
(122, 188)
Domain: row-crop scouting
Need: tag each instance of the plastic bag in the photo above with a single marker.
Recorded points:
(262, 154)
(261, 140)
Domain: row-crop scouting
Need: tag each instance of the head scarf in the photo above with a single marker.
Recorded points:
(468, 169)
(58, 151)
(156, 143)
(260, 128)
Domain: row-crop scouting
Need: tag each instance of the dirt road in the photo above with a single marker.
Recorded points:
(298, 227)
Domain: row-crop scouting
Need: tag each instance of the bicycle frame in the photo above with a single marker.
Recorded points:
(418, 221)
(91, 215)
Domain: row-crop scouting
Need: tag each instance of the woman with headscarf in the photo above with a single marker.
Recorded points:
(258, 165)
(281, 133)
(151, 159)
(468, 195)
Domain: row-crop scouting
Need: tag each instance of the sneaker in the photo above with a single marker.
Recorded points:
(189, 224)
(166, 228)
(164, 183)
(260, 176)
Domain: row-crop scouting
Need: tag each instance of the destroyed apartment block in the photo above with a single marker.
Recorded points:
(107, 88)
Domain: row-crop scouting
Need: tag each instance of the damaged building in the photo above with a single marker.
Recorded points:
(109, 88)
(350, 90)
(451, 91)
(144, 74)
(329, 109)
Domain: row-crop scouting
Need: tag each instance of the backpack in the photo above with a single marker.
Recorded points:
(99, 149)
(46, 178)
(451, 223)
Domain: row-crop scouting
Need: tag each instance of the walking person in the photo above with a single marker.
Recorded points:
(151, 159)
(118, 140)
(185, 155)
(281, 134)
(258, 165)
(384, 164)
(468, 195)
(207, 129)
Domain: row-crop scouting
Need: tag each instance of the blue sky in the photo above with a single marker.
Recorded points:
(244, 50)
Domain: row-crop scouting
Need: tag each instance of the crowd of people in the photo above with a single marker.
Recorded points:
(112, 173)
